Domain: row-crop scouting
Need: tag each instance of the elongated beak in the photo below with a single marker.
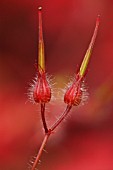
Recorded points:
(87, 56)
(41, 57)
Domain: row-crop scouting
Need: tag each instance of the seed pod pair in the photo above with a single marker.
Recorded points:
(74, 93)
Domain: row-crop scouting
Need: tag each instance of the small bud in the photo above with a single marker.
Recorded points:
(42, 91)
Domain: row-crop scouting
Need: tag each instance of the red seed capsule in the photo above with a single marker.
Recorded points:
(73, 95)
(42, 91)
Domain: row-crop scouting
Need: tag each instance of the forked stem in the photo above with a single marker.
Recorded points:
(49, 132)
(81, 73)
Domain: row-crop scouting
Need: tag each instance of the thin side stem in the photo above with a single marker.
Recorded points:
(61, 118)
(43, 117)
(49, 132)
(40, 150)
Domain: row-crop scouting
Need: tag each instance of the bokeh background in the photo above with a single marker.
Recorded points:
(85, 140)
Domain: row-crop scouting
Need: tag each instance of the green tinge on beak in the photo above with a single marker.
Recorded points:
(86, 59)
(41, 57)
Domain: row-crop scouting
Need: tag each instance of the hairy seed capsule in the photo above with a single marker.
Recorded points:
(42, 91)
(73, 95)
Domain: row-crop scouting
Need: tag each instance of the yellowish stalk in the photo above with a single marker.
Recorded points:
(41, 57)
(86, 59)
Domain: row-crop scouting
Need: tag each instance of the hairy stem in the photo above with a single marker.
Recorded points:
(61, 118)
(43, 117)
(49, 132)
(41, 150)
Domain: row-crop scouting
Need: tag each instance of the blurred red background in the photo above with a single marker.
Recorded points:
(85, 141)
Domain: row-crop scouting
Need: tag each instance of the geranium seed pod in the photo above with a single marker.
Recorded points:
(41, 87)
(76, 91)
(73, 95)
(42, 90)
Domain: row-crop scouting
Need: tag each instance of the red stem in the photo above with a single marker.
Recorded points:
(40, 150)
(43, 117)
(61, 118)
(49, 132)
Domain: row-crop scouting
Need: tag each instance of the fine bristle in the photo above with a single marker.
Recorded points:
(98, 19)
